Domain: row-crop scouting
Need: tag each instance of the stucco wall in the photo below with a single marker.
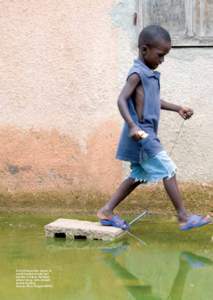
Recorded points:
(62, 64)
(187, 79)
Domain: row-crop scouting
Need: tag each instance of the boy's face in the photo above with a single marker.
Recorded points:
(153, 56)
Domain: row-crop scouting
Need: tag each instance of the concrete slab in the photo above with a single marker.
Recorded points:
(77, 229)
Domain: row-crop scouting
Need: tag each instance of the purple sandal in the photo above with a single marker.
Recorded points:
(194, 221)
(115, 221)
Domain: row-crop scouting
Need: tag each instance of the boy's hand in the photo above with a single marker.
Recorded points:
(185, 112)
(137, 134)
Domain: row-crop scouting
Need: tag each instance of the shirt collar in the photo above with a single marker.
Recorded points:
(147, 71)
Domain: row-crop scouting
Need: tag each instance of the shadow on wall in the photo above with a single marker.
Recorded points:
(33, 160)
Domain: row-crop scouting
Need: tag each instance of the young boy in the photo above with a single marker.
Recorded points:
(139, 104)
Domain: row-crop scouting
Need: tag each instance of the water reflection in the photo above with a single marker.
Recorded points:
(132, 269)
(187, 262)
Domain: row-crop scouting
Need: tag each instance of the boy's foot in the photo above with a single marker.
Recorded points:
(104, 214)
(194, 221)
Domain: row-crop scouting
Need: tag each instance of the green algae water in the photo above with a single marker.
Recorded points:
(158, 262)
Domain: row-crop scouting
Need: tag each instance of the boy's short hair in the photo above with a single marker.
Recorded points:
(151, 34)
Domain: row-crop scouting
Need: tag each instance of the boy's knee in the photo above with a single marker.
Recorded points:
(134, 182)
(169, 178)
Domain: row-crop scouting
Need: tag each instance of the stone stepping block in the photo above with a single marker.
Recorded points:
(77, 229)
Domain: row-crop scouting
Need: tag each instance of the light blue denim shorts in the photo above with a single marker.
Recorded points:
(153, 169)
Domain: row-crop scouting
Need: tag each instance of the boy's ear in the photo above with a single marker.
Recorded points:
(144, 49)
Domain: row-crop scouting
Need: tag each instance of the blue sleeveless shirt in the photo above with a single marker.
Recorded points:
(136, 151)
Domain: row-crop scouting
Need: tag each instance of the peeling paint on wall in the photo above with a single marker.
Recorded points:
(33, 160)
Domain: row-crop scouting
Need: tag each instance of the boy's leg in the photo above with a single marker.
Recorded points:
(174, 194)
(126, 187)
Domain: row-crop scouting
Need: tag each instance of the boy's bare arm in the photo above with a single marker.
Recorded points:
(139, 102)
(184, 112)
(169, 106)
(128, 89)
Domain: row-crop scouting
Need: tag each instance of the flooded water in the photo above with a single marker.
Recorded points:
(158, 262)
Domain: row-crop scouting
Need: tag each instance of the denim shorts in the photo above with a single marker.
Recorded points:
(153, 169)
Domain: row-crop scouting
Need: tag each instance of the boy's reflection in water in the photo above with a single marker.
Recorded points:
(135, 286)
(187, 262)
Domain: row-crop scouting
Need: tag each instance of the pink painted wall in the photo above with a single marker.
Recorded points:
(59, 122)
